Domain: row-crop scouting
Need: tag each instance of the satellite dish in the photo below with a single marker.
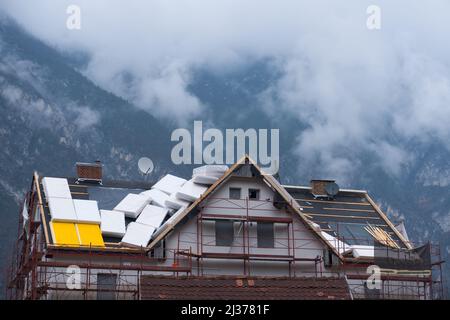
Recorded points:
(145, 165)
(332, 189)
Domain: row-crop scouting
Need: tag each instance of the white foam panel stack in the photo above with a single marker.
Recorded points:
(174, 203)
(132, 205)
(169, 184)
(87, 211)
(113, 223)
(190, 191)
(176, 193)
(152, 216)
(59, 199)
(209, 174)
(170, 222)
(137, 235)
(210, 170)
(206, 180)
(62, 210)
(56, 188)
(155, 197)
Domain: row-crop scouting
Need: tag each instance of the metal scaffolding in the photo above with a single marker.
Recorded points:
(38, 270)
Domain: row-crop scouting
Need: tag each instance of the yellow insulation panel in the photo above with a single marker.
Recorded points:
(90, 235)
(64, 233)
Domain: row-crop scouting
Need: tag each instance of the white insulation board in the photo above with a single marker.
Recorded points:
(113, 223)
(174, 203)
(132, 205)
(360, 251)
(152, 216)
(56, 188)
(137, 235)
(155, 197)
(87, 211)
(210, 170)
(340, 246)
(190, 191)
(206, 180)
(170, 222)
(62, 210)
(169, 184)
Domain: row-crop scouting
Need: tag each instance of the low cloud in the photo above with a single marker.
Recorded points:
(361, 94)
(85, 117)
(39, 106)
(68, 118)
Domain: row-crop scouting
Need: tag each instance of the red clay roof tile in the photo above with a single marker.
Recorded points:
(238, 288)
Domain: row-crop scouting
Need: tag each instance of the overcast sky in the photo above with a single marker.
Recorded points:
(358, 89)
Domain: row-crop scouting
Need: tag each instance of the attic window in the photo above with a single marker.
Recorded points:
(235, 193)
(253, 194)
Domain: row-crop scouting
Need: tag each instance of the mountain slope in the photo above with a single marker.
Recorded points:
(52, 116)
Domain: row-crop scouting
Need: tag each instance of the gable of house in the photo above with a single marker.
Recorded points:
(245, 174)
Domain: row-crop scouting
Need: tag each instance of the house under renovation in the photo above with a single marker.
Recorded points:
(227, 233)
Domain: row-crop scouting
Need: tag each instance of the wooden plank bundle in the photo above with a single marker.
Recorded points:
(382, 236)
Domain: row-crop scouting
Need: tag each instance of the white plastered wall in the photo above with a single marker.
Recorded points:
(306, 244)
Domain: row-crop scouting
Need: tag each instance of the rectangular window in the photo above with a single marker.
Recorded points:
(106, 286)
(235, 193)
(224, 233)
(159, 251)
(253, 194)
(265, 234)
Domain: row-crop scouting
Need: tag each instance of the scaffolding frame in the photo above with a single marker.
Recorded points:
(35, 263)
(428, 286)
(246, 219)
(38, 269)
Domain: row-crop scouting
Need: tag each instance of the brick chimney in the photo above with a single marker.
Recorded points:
(90, 171)
(319, 187)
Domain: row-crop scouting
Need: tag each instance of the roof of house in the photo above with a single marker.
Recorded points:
(347, 215)
(108, 194)
(233, 288)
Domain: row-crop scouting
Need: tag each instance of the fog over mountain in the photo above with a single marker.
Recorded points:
(357, 90)
(370, 108)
